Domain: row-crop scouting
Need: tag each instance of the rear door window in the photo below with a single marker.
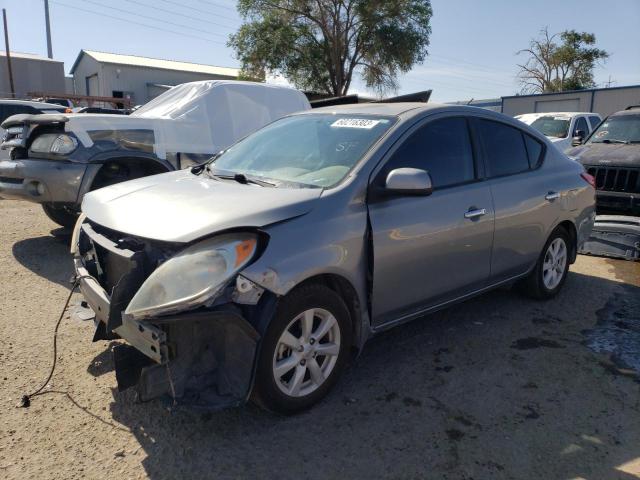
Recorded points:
(504, 148)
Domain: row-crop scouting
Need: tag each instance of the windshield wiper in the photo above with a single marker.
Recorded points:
(241, 178)
(613, 140)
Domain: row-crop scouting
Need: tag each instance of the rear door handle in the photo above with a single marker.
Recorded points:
(475, 213)
(552, 196)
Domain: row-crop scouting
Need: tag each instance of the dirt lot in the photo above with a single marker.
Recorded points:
(499, 387)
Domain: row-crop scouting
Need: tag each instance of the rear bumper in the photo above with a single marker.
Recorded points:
(41, 181)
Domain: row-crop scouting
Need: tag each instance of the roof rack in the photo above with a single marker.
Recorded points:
(632, 107)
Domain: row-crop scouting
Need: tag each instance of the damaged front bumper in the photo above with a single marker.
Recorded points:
(203, 358)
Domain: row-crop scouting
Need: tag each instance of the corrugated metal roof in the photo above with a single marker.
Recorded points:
(29, 56)
(134, 60)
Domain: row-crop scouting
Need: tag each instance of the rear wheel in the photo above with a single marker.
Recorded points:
(550, 272)
(304, 350)
(61, 214)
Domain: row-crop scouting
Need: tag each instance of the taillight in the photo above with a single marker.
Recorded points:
(590, 179)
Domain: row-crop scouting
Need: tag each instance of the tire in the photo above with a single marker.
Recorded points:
(297, 385)
(550, 272)
(63, 216)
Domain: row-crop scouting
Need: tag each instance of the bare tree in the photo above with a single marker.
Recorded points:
(559, 62)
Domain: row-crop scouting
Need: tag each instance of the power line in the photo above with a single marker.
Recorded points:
(199, 10)
(105, 15)
(173, 12)
(477, 65)
(180, 25)
(462, 76)
(215, 4)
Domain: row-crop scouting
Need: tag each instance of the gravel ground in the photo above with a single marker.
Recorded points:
(498, 387)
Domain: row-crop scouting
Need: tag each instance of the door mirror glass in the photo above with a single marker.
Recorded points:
(578, 138)
(409, 181)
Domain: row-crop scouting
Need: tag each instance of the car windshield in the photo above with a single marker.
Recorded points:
(557, 127)
(312, 150)
(618, 129)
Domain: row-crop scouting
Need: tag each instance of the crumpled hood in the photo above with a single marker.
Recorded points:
(181, 207)
(607, 154)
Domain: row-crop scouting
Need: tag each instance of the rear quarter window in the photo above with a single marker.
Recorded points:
(534, 151)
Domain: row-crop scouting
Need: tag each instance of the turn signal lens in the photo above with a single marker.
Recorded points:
(244, 250)
(590, 179)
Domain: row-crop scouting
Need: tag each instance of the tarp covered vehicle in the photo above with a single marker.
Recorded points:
(57, 158)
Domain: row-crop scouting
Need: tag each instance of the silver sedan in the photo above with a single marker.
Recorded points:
(257, 275)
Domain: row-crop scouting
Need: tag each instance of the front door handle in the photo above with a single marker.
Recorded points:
(475, 213)
(551, 196)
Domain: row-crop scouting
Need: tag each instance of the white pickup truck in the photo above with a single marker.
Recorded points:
(57, 158)
(562, 127)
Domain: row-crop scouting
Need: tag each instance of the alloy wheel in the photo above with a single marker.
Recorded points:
(306, 352)
(555, 263)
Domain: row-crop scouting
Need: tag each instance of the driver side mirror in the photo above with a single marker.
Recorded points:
(409, 181)
(578, 138)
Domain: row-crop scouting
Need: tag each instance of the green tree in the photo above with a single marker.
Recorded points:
(319, 44)
(554, 66)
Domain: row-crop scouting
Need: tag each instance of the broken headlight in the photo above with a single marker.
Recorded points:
(193, 276)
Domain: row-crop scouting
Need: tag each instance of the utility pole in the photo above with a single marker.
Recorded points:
(610, 82)
(46, 19)
(6, 46)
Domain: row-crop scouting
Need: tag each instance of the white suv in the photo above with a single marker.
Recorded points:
(562, 127)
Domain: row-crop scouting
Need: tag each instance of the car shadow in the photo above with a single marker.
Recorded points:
(47, 256)
(498, 387)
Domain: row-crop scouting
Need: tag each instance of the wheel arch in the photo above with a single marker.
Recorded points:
(570, 228)
(97, 164)
(349, 295)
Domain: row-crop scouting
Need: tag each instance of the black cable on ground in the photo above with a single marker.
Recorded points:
(26, 399)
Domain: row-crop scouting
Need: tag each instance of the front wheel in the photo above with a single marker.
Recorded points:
(62, 215)
(304, 351)
(550, 272)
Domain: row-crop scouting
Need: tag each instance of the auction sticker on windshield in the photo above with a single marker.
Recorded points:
(355, 123)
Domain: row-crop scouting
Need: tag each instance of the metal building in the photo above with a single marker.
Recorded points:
(31, 73)
(137, 78)
(599, 100)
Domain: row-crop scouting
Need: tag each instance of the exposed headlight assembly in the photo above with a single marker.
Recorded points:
(62, 144)
(194, 276)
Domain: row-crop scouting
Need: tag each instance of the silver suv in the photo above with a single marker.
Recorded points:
(257, 274)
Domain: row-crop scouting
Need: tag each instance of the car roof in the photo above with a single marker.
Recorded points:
(396, 108)
(632, 111)
(30, 103)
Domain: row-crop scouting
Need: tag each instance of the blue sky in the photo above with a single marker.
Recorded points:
(472, 53)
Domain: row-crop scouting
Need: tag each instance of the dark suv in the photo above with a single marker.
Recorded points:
(612, 155)
(9, 107)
